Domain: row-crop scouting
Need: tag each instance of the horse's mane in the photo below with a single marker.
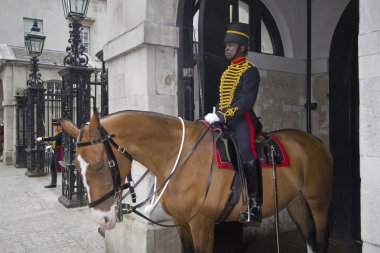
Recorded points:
(142, 113)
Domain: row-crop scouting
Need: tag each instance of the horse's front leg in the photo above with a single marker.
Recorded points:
(186, 238)
(202, 230)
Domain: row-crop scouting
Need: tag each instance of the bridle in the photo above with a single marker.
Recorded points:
(118, 187)
(107, 140)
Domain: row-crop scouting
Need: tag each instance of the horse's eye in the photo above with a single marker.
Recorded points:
(98, 168)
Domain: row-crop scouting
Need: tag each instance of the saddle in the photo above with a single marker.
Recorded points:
(265, 143)
(270, 151)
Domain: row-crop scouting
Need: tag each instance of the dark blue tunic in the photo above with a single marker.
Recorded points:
(235, 106)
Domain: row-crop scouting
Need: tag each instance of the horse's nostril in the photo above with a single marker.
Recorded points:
(106, 220)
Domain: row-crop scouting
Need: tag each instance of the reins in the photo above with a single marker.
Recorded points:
(107, 139)
(129, 209)
(154, 202)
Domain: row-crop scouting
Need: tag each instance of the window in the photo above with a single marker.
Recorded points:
(54, 86)
(28, 24)
(265, 36)
(85, 37)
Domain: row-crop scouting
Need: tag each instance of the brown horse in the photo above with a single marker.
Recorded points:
(154, 139)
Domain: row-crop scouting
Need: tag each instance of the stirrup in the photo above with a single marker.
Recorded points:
(252, 215)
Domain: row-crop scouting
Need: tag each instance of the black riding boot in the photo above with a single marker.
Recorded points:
(53, 171)
(252, 171)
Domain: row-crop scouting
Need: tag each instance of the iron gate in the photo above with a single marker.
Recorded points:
(82, 90)
(53, 100)
(20, 131)
(73, 99)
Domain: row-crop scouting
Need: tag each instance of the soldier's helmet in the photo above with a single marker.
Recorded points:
(238, 33)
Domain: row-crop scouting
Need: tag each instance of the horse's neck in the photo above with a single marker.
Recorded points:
(152, 140)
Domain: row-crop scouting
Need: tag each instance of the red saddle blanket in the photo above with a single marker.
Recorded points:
(225, 151)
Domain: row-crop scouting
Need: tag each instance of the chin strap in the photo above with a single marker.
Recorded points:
(235, 53)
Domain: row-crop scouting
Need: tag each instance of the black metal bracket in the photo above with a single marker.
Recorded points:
(311, 106)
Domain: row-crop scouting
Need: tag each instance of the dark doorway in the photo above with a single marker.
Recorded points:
(201, 52)
(213, 21)
(344, 125)
(186, 58)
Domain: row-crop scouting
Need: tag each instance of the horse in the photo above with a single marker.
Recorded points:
(154, 139)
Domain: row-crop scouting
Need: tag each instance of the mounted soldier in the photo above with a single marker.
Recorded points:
(238, 90)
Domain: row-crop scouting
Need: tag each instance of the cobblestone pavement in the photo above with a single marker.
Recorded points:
(34, 221)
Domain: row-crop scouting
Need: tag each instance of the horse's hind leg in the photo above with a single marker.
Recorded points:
(303, 218)
(320, 211)
(186, 238)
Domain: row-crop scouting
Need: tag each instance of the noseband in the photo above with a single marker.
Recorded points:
(107, 140)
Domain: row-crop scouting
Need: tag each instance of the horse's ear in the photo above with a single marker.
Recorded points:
(69, 127)
(95, 125)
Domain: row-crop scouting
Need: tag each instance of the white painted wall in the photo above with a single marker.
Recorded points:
(291, 19)
(369, 111)
(290, 16)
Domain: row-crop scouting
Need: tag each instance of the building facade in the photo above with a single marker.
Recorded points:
(318, 65)
(18, 17)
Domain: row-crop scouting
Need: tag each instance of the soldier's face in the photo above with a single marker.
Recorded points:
(232, 51)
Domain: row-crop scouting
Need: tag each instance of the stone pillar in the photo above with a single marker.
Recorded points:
(9, 129)
(8, 80)
(141, 56)
(369, 110)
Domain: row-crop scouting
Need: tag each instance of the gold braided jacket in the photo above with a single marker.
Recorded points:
(228, 83)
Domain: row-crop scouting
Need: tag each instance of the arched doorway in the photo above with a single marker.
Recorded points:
(202, 25)
(344, 124)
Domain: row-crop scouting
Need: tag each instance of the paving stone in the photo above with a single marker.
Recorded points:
(34, 221)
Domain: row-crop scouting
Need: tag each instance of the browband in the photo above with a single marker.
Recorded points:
(92, 142)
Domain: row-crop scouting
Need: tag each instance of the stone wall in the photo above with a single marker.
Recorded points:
(282, 95)
(369, 126)
(281, 104)
(141, 56)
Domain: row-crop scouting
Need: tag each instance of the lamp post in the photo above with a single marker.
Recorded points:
(34, 44)
(76, 93)
(75, 11)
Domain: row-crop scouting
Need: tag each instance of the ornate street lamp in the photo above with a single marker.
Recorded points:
(76, 101)
(75, 11)
(34, 44)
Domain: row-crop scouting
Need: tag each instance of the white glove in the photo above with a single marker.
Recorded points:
(211, 118)
(39, 139)
(49, 148)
